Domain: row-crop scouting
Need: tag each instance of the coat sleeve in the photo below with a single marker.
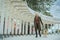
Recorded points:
(41, 20)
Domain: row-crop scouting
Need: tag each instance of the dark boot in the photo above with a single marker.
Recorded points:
(39, 33)
(36, 34)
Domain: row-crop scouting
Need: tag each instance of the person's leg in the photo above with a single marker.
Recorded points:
(39, 33)
(39, 30)
(36, 29)
(36, 32)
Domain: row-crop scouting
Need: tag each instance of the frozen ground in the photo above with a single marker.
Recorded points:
(32, 37)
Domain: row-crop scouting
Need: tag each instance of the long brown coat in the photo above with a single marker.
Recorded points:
(39, 23)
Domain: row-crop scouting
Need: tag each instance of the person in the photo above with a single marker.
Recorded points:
(37, 24)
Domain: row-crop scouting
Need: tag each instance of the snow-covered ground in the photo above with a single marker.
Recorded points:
(32, 37)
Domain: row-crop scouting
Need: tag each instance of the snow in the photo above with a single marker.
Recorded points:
(32, 37)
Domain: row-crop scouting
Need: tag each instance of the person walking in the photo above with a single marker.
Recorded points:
(37, 24)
